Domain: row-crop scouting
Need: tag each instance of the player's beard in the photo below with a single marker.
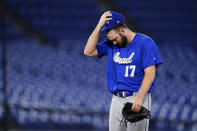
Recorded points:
(123, 42)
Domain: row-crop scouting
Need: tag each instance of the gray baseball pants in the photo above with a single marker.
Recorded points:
(116, 122)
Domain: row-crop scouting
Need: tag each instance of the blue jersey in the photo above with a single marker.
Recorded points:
(125, 66)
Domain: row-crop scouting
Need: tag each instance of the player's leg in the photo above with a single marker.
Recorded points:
(115, 117)
(142, 125)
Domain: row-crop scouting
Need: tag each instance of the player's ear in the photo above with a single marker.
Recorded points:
(122, 31)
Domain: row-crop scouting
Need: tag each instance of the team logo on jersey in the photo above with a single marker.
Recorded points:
(123, 60)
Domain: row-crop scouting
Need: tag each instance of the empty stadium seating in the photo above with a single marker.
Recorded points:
(41, 78)
(64, 19)
(166, 21)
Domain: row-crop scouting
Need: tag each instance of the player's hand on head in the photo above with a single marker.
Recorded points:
(104, 18)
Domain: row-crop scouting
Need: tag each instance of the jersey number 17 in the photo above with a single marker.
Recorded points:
(132, 68)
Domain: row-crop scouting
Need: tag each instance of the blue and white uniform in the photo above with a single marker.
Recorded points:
(125, 71)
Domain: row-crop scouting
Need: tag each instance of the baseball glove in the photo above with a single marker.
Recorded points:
(131, 116)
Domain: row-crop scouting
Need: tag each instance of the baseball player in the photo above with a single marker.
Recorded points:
(132, 59)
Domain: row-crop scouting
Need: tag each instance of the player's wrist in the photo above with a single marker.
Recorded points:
(98, 27)
(140, 96)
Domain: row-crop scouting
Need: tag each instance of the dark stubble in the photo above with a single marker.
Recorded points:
(124, 41)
